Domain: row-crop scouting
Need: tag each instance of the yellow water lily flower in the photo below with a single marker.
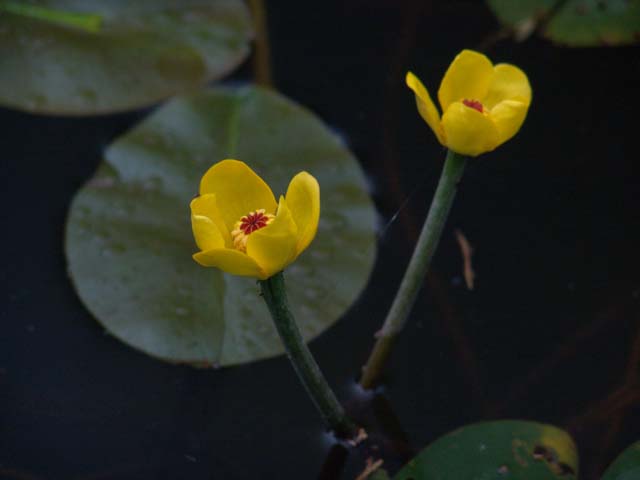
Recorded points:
(240, 228)
(483, 105)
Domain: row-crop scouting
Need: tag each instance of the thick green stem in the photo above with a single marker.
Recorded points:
(417, 269)
(88, 22)
(274, 293)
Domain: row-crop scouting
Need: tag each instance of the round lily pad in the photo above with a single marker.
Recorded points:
(79, 57)
(507, 449)
(129, 240)
(576, 23)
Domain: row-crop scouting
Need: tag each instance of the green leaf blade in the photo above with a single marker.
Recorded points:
(626, 466)
(136, 209)
(576, 23)
(141, 53)
(499, 450)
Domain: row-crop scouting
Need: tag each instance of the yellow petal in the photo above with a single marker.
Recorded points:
(426, 107)
(274, 246)
(508, 83)
(508, 117)
(468, 131)
(207, 206)
(238, 190)
(468, 77)
(206, 233)
(230, 261)
(303, 200)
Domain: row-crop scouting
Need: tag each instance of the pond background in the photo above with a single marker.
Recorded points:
(550, 333)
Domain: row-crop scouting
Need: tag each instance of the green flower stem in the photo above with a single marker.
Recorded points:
(88, 22)
(417, 269)
(274, 293)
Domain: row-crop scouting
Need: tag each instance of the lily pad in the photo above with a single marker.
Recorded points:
(78, 57)
(508, 449)
(575, 23)
(129, 240)
(626, 466)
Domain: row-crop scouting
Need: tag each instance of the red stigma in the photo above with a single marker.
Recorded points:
(252, 222)
(475, 104)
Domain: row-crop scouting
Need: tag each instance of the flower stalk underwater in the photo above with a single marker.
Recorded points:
(241, 229)
(274, 293)
(416, 270)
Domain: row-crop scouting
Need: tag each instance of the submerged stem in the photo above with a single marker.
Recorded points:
(262, 54)
(88, 22)
(274, 293)
(417, 268)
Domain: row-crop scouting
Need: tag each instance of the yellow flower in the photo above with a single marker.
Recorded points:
(240, 228)
(483, 105)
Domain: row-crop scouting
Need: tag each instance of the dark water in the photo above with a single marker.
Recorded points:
(551, 332)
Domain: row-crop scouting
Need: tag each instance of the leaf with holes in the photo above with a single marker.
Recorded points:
(129, 240)
(626, 466)
(77, 57)
(513, 449)
(576, 23)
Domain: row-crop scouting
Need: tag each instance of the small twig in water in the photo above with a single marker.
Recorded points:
(370, 468)
(262, 53)
(359, 438)
(467, 252)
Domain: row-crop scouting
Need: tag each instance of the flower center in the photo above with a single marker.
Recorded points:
(247, 225)
(475, 104)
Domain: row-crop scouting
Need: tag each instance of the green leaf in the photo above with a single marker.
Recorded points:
(575, 23)
(84, 21)
(507, 449)
(78, 57)
(512, 13)
(129, 240)
(379, 474)
(626, 466)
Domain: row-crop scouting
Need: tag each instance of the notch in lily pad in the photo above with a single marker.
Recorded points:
(574, 23)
